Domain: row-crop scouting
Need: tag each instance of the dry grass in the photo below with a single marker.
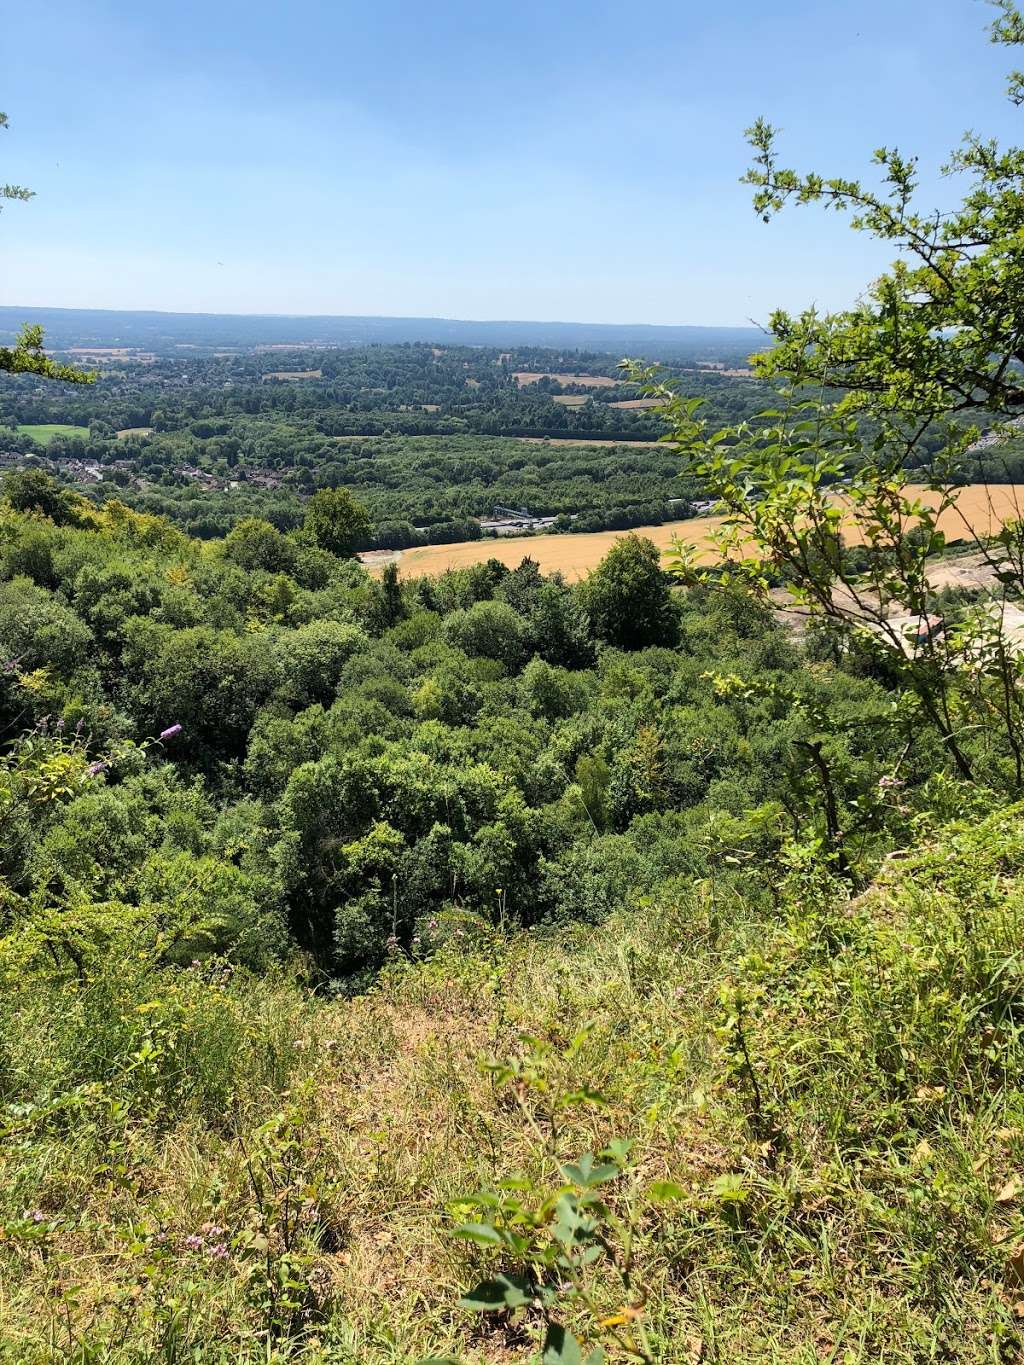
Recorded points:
(293, 374)
(134, 431)
(572, 555)
(570, 400)
(637, 403)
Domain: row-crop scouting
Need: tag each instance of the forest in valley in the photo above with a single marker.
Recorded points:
(429, 438)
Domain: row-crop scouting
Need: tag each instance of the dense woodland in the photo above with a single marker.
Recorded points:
(356, 756)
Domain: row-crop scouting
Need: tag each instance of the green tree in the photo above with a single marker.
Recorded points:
(628, 597)
(336, 522)
(33, 490)
(256, 544)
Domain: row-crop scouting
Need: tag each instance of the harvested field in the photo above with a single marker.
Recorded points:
(570, 400)
(134, 431)
(574, 556)
(980, 509)
(588, 381)
(293, 374)
(635, 403)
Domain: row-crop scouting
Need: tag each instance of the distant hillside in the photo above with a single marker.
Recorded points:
(163, 332)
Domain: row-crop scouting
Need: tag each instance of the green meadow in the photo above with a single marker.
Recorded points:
(44, 432)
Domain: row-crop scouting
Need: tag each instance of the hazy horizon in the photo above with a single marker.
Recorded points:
(467, 162)
(303, 315)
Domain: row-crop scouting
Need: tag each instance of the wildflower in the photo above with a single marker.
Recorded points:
(36, 1216)
(220, 1251)
(170, 732)
(194, 1242)
(95, 768)
(886, 782)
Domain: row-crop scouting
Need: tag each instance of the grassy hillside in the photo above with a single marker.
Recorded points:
(469, 968)
(822, 1102)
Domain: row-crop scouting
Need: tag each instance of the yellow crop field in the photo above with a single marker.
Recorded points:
(587, 381)
(980, 509)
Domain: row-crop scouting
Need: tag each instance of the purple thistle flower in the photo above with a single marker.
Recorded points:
(170, 732)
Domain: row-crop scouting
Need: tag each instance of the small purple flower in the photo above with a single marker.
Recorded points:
(37, 1216)
(194, 1242)
(170, 732)
(95, 768)
(219, 1251)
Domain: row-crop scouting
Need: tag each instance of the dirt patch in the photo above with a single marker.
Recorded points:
(376, 559)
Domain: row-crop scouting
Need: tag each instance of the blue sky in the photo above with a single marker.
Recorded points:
(565, 160)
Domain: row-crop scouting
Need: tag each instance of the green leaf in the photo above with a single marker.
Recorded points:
(664, 1191)
(479, 1232)
(504, 1291)
(586, 1173)
(561, 1347)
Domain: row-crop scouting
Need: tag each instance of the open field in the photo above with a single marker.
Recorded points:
(589, 381)
(134, 431)
(293, 374)
(44, 432)
(980, 510)
(637, 403)
(569, 400)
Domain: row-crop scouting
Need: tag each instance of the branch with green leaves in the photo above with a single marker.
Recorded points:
(940, 332)
(27, 356)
